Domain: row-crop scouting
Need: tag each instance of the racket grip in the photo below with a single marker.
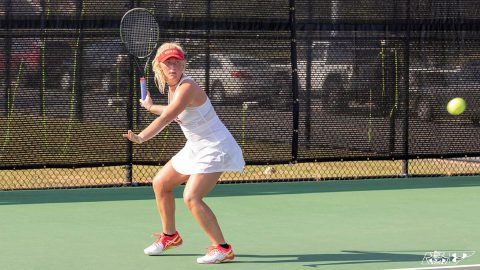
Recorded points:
(143, 88)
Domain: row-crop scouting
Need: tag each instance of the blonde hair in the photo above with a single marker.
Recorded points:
(160, 78)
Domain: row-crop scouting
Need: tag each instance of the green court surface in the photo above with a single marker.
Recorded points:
(362, 224)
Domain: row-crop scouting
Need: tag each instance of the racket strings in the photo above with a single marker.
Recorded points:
(140, 33)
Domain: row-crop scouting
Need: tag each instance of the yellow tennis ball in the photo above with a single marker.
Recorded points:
(456, 106)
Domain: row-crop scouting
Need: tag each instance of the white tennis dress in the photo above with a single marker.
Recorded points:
(210, 146)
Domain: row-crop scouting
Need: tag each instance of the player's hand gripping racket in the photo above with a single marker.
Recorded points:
(140, 32)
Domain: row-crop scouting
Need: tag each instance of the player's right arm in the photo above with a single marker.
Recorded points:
(157, 109)
(183, 97)
(149, 106)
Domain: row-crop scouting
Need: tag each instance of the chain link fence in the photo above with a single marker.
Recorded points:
(311, 90)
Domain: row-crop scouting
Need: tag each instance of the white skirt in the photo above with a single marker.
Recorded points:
(204, 156)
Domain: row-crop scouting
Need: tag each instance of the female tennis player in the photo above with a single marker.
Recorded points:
(210, 150)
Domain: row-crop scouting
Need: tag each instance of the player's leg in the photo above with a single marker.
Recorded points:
(163, 184)
(197, 187)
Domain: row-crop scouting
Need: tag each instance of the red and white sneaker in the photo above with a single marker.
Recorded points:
(217, 254)
(163, 243)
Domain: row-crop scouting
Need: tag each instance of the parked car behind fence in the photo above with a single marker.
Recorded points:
(432, 89)
(235, 78)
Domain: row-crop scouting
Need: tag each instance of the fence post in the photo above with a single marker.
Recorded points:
(78, 97)
(130, 119)
(7, 48)
(130, 116)
(308, 80)
(293, 58)
(207, 49)
(407, 96)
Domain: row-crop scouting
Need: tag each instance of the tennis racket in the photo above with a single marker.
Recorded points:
(139, 32)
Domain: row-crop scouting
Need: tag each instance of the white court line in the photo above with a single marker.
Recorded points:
(440, 267)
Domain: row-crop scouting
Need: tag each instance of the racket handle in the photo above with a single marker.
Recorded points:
(143, 88)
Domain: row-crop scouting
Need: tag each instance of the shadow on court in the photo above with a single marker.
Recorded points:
(244, 189)
(344, 258)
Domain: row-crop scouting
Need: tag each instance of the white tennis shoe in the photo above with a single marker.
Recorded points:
(217, 254)
(163, 243)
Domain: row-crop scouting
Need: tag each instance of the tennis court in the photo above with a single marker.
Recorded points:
(362, 224)
(316, 93)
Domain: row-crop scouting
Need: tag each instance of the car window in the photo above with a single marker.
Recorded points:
(467, 77)
(246, 62)
(215, 63)
(367, 55)
(340, 55)
(319, 50)
(101, 51)
(23, 45)
(432, 79)
(197, 63)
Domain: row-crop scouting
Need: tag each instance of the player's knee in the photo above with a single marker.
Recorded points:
(159, 186)
(191, 200)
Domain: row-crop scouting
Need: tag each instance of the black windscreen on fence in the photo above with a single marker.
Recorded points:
(294, 81)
